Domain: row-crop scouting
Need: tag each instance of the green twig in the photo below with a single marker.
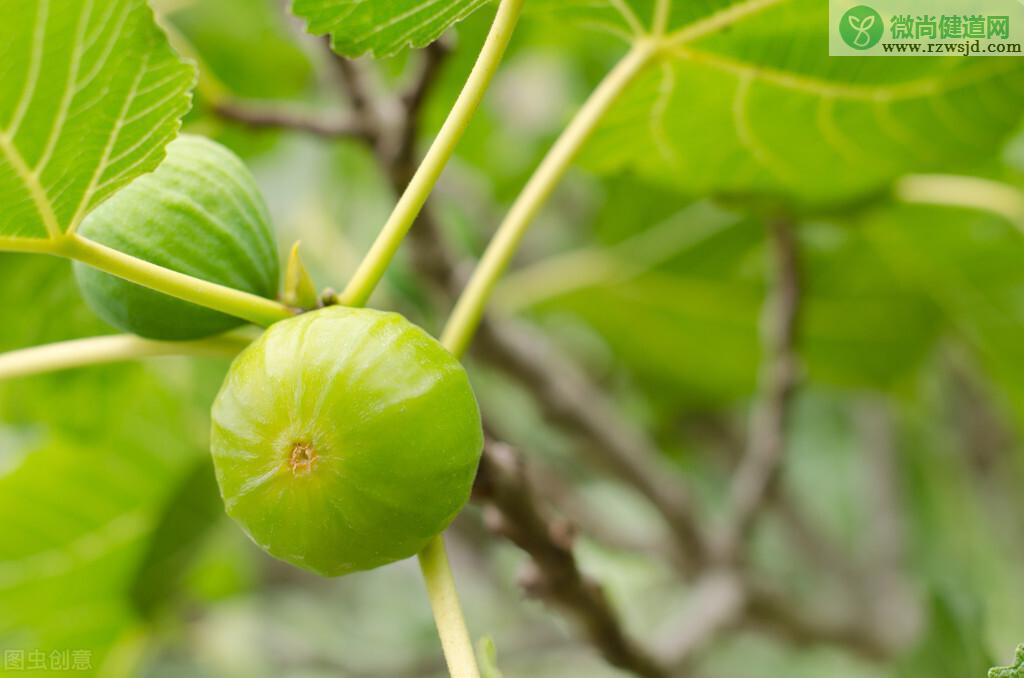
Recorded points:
(117, 348)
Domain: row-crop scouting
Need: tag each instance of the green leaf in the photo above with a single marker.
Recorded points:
(90, 93)
(954, 644)
(93, 464)
(382, 27)
(299, 289)
(743, 100)
(691, 327)
(80, 506)
(244, 46)
(191, 511)
(970, 264)
(487, 652)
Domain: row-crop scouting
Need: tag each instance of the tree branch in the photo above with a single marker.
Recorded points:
(571, 402)
(554, 577)
(262, 116)
(758, 472)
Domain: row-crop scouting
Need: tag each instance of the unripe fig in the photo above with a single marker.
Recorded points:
(344, 439)
(199, 213)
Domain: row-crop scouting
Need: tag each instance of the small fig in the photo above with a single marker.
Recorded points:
(200, 213)
(345, 439)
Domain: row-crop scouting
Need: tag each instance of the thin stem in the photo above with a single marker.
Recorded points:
(444, 600)
(251, 307)
(468, 311)
(373, 266)
(967, 192)
(117, 348)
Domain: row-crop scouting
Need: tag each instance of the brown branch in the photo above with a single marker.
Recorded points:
(770, 612)
(416, 94)
(354, 82)
(554, 577)
(569, 400)
(759, 469)
(261, 116)
(715, 605)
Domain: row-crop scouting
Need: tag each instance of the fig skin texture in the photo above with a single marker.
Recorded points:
(201, 213)
(345, 439)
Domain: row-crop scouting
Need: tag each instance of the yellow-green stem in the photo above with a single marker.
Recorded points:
(251, 307)
(437, 575)
(376, 262)
(444, 600)
(117, 348)
(469, 309)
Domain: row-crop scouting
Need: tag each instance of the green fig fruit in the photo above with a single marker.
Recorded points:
(345, 439)
(199, 213)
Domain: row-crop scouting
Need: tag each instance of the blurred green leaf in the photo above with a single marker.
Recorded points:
(90, 462)
(745, 101)
(488, 657)
(91, 95)
(189, 514)
(382, 27)
(692, 326)
(970, 264)
(953, 646)
(246, 47)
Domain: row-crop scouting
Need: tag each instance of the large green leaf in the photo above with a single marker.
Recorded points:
(90, 93)
(382, 27)
(222, 36)
(743, 99)
(95, 468)
(970, 263)
(691, 326)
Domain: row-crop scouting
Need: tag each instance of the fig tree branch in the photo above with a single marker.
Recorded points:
(264, 116)
(758, 473)
(511, 511)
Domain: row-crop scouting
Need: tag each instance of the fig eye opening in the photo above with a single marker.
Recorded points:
(303, 459)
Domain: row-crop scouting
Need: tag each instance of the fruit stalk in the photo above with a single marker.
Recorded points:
(376, 262)
(251, 307)
(444, 599)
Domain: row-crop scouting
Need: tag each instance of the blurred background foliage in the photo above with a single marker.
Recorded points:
(904, 450)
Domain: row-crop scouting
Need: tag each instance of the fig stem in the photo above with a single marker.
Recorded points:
(375, 263)
(444, 600)
(117, 348)
(469, 309)
(251, 307)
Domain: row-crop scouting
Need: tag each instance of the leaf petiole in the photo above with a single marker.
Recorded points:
(470, 307)
(376, 262)
(251, 307)
(111, 349)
